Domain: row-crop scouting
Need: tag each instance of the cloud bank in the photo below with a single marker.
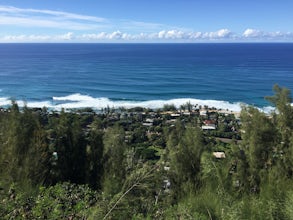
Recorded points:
(34, 25)
(223, 35)
(258, 34)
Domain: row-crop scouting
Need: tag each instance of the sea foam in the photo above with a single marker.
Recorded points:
(83, 101)
(4, 101)
(77, 100)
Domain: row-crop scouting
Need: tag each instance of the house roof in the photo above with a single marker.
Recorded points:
(219, 155)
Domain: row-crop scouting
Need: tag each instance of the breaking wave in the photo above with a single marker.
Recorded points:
(81, 101)
(75, 101)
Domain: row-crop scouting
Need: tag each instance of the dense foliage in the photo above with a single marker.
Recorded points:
(145, 164)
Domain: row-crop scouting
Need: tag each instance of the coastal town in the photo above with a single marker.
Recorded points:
(147, 125)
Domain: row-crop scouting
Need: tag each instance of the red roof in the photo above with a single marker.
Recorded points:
(209, 122)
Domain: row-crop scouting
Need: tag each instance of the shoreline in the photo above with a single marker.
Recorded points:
(76, 102)
(166, 110)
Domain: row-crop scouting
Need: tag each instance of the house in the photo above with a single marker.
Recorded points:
(149, 120)
(166, 168)
(209, 122)
(203, 112)
(219, 155)
(148, 124)
(209, 125)
(175, 115)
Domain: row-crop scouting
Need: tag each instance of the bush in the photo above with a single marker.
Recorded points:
(63, 201)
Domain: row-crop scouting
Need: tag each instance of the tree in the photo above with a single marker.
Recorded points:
(259, 140)
(114, 161)
(284, 123)
(23, 152)
(38, 159)
(174, 134)
(69, 144)
(186, 161)
(94, 166)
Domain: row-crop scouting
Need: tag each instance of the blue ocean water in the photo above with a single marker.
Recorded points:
(149, 75)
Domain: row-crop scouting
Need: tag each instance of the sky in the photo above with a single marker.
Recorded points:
(183, 21)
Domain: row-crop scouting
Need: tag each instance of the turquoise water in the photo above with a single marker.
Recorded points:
(148, 75)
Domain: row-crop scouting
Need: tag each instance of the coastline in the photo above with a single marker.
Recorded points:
(78, 101)
(185, 109)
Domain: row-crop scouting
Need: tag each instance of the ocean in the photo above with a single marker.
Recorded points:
(219, 75)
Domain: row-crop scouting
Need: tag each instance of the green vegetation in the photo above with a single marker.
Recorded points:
(145, 164)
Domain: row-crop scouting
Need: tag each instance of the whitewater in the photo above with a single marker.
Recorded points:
(78, 101)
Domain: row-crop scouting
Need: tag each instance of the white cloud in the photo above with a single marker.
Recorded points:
(31, 18)
(26, 38)
(44, 23)
(196, 35)
(262, 35)
(67, 36)
(220, 34)
(180, 35)
(31, 12)
(116, 35)
(252, 33)
(37, 38)
(99, 36)
(161, 36)
(223, 35)
(172, 34)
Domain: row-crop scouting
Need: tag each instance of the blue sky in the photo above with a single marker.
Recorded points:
(146, 21)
